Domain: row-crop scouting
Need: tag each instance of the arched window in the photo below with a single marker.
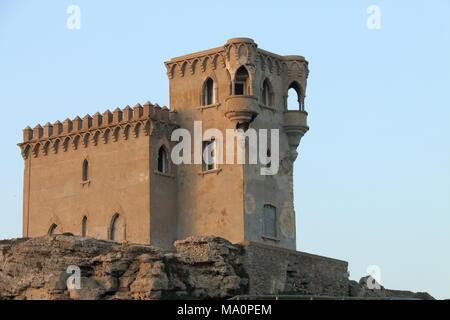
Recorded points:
(266, 94)
(208, 94)
(209, 155)
(85, 169)
(294, 101)
(52, 229)
(84, 227)
(268, 154)
(270, 221)
(163, 161)
(241, 82)
(113, 227)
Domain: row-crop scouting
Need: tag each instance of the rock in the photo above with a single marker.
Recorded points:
(90, 290)
(109, 283)
(201, 268)
(37, 268)
(362, 290)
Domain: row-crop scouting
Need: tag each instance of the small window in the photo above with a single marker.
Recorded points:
(294, 100)
(52, 229)
(266, 94)
(269, 163)
(85, 174)
(163, 162)
(241, 81)
(208, 92)
(113, 227)
(209, 155)
(270, 221)
(84, 227)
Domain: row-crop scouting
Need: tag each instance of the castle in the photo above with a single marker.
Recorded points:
(110, 176)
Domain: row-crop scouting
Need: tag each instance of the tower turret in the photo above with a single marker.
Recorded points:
(239, 85)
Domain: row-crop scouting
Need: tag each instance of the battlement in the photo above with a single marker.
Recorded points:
(235, 50)
(149, 118)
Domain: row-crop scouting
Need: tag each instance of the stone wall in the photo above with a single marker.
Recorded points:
(275, 270)
(199, 268)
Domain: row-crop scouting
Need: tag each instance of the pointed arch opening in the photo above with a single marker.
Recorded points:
(266, 93)
(52, 230)
(294, 97)
(270, 221)
(85, 171)
(241, 82)
(208, 92)
(84, 227)
(163, 160)
(268, 155)
(209, 155)
(113, 227)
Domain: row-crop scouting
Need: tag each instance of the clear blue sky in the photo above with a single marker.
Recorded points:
(372, 182)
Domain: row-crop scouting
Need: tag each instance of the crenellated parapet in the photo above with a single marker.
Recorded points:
(126, 123)
(236, 52)
(193, 64)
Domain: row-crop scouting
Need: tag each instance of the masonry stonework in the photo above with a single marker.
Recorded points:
(103, 177)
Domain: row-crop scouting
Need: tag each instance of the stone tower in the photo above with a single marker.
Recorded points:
(110, 176)
(234, 86)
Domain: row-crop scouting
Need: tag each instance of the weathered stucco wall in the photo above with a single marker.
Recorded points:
(118, 183)
(229, 202)
(121, 150)
(275, 190)
(209, 203)
(163, 194)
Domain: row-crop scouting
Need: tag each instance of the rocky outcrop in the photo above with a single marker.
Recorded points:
(37, 268)
(361, 290)
(68, 267)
